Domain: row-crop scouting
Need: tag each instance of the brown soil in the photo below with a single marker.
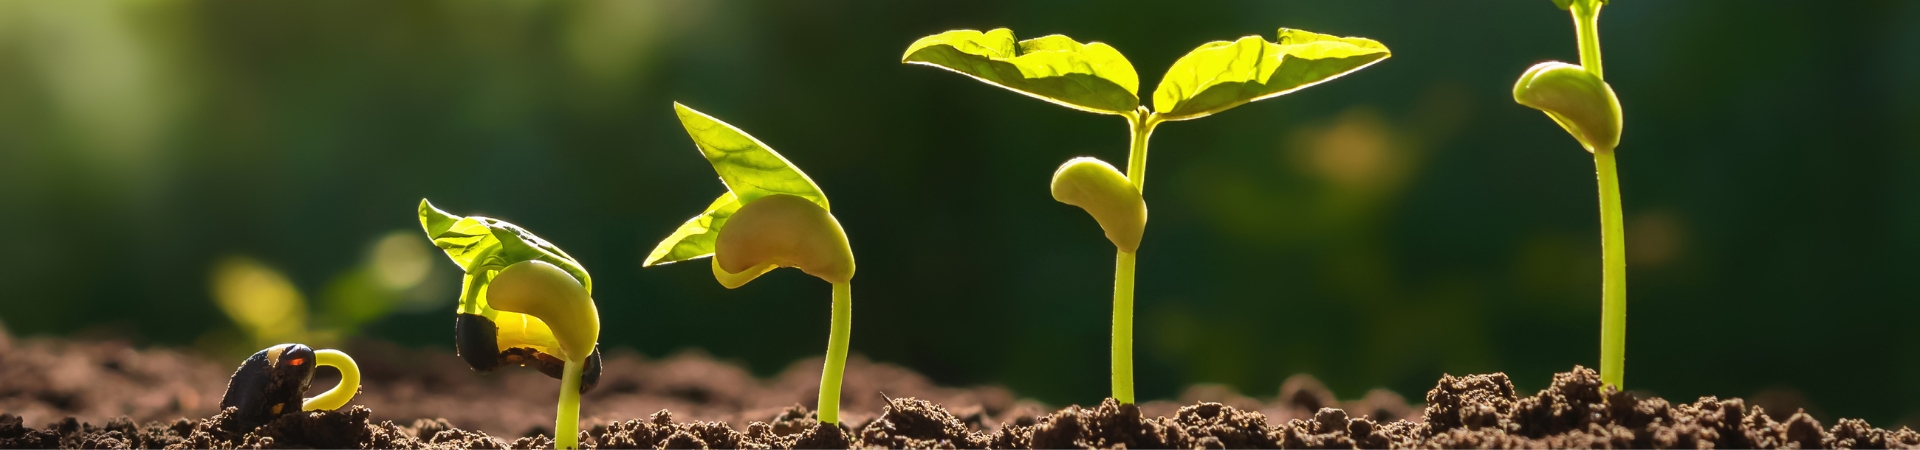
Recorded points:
(142, 397)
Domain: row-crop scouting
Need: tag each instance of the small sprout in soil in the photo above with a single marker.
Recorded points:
(523, 302)
(773, 216)
(1093, 77)
(272, 382)
(1580, 100)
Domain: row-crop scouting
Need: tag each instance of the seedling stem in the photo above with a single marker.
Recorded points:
(1586, 24)
(830, 373)
(1140, 126)
(1613, 289)
(1123, 327)
(566, 425)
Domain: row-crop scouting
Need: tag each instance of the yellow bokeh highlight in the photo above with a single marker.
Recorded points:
(399, 261)
(261, 300)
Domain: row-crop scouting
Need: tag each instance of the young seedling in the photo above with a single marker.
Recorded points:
(1577, 98)
(1093, 77)
(523, 302)
(771, 216)
(271, 382)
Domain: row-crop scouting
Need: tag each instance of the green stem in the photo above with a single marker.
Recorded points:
(1613, 247)
(1123, 327)
(566, 423)
(1586, 25)
(1140, 126)
(836, 365)
(1613, 290)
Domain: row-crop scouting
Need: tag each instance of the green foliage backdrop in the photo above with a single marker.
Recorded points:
(1404, 221)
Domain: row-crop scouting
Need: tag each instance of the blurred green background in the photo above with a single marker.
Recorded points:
(161, 159)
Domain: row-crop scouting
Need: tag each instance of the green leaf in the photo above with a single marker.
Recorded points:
(1221, 75)
(750, 168)
(695, 238)
(483, 246)
(1091, 77)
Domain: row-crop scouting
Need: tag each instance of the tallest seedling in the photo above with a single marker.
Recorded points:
(1577, 98)
(1093, 77)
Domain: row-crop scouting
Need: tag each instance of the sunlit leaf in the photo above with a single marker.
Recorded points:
(750, 168)
(695, 238)
(1221, 75)
(482, 246)
(1091, 77)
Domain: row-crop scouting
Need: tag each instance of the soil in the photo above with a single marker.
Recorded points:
(415, 399)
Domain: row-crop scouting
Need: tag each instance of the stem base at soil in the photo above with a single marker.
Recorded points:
(566, 422)
(836, 365)
(1613, 290)
(1613, 253)
(1123, 327)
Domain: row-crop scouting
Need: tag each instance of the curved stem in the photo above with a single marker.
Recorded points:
(566, 422)
(1123, 327)
(1613, 290)
(349, 381)
(1586, 25)
(830, 373)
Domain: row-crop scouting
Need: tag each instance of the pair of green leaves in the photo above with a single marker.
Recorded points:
(791, 225)
(1094, 77)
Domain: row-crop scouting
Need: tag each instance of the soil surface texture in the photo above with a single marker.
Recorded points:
(54, 392)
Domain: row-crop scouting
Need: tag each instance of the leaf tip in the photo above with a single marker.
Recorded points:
(433, 220)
